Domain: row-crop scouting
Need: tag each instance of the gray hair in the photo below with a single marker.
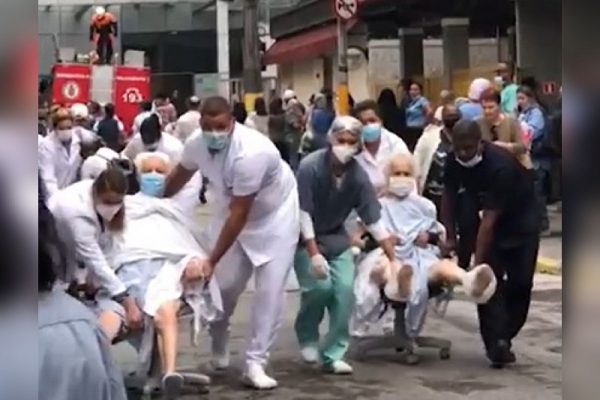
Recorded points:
(346, 123)
(140, 158)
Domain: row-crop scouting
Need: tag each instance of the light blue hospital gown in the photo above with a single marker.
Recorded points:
(75, 362)
(406, 218)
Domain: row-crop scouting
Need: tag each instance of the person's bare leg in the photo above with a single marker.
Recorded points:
(404, 276)
(477, 279)
(166, 325)
(110, 323)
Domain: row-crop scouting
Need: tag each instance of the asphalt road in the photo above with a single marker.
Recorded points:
(537, 374)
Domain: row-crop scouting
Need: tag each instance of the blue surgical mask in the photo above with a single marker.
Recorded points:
(152, 184)
(371, 132)
(216, 140)
(472, 162)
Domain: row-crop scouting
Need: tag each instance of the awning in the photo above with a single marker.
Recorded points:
(311, 43)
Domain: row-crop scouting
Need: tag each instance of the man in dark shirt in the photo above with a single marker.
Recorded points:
(508, 234)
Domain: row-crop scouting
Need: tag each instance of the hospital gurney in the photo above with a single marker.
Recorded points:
(146, 378)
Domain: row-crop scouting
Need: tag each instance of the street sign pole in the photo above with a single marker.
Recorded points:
(345, 10)
(343, 105)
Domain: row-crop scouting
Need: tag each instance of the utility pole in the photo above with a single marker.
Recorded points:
(223, 48)
(343, 106)
(345, 11)
(252, 74)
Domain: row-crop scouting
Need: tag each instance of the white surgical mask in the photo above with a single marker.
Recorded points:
(64, 135)
(108, 211)
(402, 186)
(472, 162)
(498, 80)
(344, 152)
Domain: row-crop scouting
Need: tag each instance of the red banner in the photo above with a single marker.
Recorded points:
(71, 84)
(131, 86)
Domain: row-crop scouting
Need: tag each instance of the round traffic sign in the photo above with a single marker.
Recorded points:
(70, 90)
(345, 9)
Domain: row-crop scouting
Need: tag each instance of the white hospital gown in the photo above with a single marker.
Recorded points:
(405, 218)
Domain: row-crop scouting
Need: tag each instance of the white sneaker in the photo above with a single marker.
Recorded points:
(340, 368)
(310, 354)
(255, 377)
(220, 353)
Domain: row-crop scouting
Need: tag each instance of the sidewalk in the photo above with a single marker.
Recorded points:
(550, 255)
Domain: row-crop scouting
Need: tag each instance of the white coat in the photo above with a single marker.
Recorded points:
(375, 166)
(59, 163)
(168, 144)
(80, 229)
(424, 151)
(251, 164)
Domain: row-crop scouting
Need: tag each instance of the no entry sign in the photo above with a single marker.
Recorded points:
(345, 9)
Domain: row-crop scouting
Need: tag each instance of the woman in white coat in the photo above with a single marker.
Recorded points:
(88, 214)
(59, 158)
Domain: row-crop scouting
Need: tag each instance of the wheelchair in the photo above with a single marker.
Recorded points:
(398, 339)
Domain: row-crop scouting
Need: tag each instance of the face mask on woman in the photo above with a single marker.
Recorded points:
(402, 186)
(108, 211)
(64, 135)
(152, 184)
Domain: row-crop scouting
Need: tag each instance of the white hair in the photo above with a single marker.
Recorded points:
(79, 110)
(140, 158)
(477, 87)
(346, 123)
(387, 171)
(100, 10)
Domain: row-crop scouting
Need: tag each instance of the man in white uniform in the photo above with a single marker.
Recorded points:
(190, 121)
(151, 138)
(254, 228)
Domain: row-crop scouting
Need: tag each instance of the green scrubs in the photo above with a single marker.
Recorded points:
(329, 206)
(334, 294)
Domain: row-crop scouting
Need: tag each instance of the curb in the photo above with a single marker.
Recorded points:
(548, 266)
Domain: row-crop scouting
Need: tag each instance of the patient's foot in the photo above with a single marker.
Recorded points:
(256, 377)
(405, 275)
(172, 383)
(480, 283)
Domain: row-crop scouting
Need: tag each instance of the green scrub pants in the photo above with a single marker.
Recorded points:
(336, 294)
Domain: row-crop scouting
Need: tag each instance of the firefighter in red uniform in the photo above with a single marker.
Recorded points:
(103, 30)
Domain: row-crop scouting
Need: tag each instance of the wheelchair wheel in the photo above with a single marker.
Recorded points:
(445, 354)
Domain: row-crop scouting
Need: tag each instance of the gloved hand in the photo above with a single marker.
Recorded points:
(320, 267)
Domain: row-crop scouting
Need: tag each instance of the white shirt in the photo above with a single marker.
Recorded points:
(168, 144)
(79, 227)
(251, 164)
(389, 146)
(95, 164)
(424, 151)
(59, 163)
(137, 121)
(187, 124)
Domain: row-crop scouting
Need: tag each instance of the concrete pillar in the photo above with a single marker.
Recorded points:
(539, 39)
(411, 52)
(455, 43)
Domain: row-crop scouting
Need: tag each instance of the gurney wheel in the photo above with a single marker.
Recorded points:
(411, 359)
(444, 354)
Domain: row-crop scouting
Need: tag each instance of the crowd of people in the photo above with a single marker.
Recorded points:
(365, 209)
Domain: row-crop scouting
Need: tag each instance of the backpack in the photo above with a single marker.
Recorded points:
(543, 146)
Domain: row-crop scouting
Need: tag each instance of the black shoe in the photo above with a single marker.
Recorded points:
(500, 355)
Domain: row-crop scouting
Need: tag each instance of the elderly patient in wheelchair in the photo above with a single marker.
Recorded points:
(411, 218)
(156, 259)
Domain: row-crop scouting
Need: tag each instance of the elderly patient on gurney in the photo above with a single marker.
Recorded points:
(156, 260)
(412, 219)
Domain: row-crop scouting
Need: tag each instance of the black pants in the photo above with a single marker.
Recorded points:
(541, 176)
(468, 225)
(104, 48)
(283, 148)
(505, 314)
